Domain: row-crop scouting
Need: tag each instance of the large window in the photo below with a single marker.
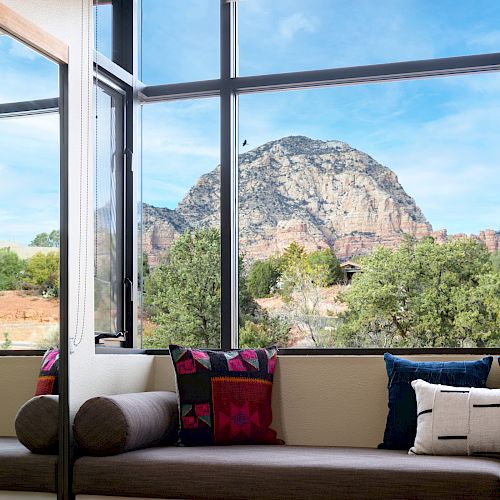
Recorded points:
(294, 35)
(29, 198)
(368, 215)
(179, 224)
(180, 41)
(358, 211)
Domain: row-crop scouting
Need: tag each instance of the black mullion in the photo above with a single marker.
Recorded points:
(228, 178)
(65, 438)
(130, 226)
(225, 178)
(123, 29)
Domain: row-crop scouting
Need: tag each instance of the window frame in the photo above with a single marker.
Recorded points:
(117, 96)
(120, 74)
(228, 87)
(54, 105)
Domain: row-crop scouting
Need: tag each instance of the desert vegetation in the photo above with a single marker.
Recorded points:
(421, 294)
(29, 291)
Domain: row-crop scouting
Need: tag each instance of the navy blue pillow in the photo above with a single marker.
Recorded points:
(401, 424)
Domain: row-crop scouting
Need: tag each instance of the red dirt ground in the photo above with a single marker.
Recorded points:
(26, 318)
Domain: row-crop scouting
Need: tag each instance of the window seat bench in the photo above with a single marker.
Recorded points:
(23, 471)
(252, 472)
(277, 472)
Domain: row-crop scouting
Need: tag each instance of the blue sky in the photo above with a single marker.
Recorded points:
(29, 146)
(439, 135)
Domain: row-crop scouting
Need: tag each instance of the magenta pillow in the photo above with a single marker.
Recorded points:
(225, 396)
(48, 382)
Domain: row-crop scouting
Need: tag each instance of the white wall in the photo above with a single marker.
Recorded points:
(18, 378)
(90, 374)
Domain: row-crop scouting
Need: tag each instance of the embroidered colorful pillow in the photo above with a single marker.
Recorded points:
(225, 397)
(49, 373)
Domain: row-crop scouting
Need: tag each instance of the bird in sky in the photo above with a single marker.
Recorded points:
(245, 143)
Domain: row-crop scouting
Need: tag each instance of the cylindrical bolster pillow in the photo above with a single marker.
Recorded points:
(36, 424)
(108, 425)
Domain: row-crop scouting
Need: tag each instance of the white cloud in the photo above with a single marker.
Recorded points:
(293, 24)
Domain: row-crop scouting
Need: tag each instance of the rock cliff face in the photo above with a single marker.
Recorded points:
(489, 237)
(318, 193)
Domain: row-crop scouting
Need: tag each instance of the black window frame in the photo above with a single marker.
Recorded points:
(118, 96)
(120, 74)
(124, 67)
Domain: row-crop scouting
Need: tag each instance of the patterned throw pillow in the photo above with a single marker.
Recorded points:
(225, 397)
(401, 424)
(456, 420)
(48, 382)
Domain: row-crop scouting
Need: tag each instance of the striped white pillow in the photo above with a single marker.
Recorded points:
(456, 420)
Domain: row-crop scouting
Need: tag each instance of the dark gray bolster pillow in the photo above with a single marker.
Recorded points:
(36, 424)
(108, 425)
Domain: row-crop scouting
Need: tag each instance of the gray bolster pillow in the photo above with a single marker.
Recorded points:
(36, 424)
(108, 425)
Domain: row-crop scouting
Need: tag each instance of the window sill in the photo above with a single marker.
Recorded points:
(329, 352)
(22, 352)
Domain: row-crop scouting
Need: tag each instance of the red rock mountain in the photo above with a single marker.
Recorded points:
(317, 193)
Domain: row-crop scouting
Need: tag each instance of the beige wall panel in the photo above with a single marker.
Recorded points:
(18, 377)
(327, 400)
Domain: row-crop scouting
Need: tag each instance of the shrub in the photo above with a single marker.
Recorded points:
(263, 277)
(42, 273)
(10, 268)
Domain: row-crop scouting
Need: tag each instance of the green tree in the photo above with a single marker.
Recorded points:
(303, 294)
(264, 332)
(263, 277)
(325, 261)
(423, 295)
(292, 254)
(495, 260)
(183, 292)
(145, 265)
(46, 239)
(10, 268)
(182, 296)
(42, 273)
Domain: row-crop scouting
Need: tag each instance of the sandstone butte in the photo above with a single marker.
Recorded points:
(317, 193)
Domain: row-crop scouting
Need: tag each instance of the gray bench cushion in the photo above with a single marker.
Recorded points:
(21, 470)
(292, 472)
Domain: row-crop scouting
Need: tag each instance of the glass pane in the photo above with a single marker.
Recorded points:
(26, 75)
(369, 215)
(295, 35)
(108, 265)
(29, 201)
(103, 29)
(180, 40)
(179, 224)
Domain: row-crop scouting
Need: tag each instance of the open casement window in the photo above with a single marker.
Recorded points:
(109, 280)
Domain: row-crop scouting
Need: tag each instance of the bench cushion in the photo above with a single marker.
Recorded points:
(292, 472)
(21, 470)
